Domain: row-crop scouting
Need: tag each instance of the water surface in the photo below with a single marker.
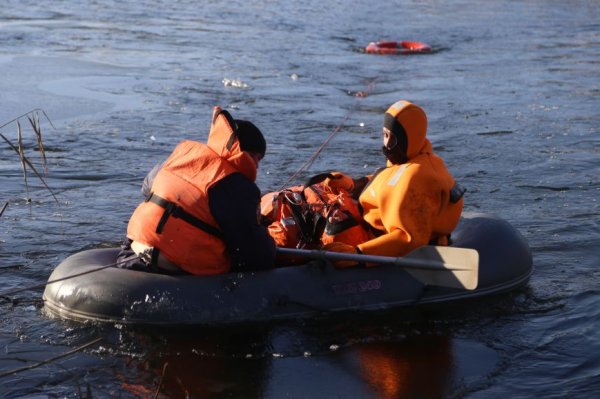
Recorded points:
(512, 95)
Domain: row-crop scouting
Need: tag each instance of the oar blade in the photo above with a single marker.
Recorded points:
(459, 267)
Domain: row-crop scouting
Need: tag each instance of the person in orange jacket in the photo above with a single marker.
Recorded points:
(412, 201)
(201, 215)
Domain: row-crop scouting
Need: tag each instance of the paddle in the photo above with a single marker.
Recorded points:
(432, 265)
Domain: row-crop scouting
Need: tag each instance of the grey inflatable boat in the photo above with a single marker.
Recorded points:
(82, 288)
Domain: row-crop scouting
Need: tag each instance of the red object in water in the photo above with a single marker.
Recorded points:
(403, 47)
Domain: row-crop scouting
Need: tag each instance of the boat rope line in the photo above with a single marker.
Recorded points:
(8, 294)
(336, 130)
(50, 360)
(3, 208)
(31, 111)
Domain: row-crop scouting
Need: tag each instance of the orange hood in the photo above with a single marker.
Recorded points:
(223, 140)
(414, 121)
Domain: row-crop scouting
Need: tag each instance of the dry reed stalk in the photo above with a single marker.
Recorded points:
(37, 129)
(33, 117)
(21, 153)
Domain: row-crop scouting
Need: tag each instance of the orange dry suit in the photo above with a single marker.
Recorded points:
(411, 204)
(176, 218)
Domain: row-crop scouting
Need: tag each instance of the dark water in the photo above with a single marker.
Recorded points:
(512, 93)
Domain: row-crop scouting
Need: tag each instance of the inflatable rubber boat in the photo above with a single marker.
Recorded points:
(85, 287)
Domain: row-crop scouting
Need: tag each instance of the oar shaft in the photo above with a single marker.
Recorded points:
(427, 264)
(431, 265)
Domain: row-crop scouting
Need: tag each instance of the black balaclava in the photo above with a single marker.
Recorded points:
(397, 153)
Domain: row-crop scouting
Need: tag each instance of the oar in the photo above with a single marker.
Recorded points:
(432, 265)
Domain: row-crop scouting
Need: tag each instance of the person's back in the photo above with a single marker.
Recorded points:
(201, 215)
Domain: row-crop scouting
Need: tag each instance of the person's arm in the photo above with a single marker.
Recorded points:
(407, 213)
(234, 202)
(147, 184)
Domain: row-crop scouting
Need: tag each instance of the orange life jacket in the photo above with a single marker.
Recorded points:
(291, 221)
(176, 218)
(344, 222)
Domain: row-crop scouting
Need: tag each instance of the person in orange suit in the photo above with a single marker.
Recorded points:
(413, 200)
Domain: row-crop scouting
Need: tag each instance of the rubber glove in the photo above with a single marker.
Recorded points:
(343, 248)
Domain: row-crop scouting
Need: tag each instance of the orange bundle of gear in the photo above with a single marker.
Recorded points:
(310, 216)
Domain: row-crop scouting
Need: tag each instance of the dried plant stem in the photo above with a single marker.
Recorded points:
(3, 208)
(37, 129)
(34, 119)
(21, 153)
(16, 149)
